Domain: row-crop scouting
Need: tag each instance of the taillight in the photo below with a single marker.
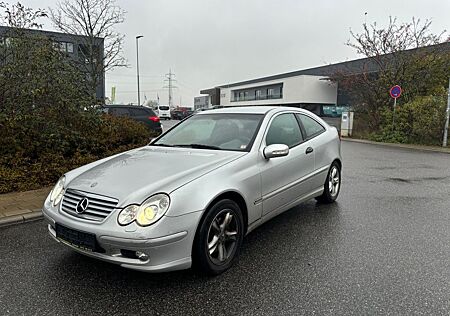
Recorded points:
(154, 118)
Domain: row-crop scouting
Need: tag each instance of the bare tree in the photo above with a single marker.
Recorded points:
(19, 16)
(96, 20)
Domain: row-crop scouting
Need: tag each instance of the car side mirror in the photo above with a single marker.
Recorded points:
(276, 150)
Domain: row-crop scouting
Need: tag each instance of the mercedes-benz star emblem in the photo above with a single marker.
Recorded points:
(82, 205)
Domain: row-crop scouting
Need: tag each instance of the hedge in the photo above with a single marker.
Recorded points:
(37, 148)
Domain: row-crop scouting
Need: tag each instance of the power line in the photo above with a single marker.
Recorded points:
(170, 79)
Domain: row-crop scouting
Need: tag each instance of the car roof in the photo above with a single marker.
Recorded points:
(251, 109)
(126, 106)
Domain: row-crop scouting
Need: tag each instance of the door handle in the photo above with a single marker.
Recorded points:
(309, 150)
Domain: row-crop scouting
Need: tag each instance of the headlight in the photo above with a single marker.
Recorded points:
(147, 213)
(128, 214)
(57, 192)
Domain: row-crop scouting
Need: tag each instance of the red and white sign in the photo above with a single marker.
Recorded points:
(395, 92)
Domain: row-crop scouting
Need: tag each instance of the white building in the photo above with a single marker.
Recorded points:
(303, 90)
(201, 102)
(309, 89)
(306, 88)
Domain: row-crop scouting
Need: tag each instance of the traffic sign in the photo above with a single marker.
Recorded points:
(395, 92)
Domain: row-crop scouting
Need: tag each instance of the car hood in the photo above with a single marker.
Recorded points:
(133, 176)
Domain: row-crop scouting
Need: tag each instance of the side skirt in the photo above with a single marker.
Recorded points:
(284, 208)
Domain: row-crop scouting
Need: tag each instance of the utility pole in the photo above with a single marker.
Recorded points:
(447, 115)
(170, 85)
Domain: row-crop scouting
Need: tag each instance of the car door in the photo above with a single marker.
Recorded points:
(313, 131)
(282, 178)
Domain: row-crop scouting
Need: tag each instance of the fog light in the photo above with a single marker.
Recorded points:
(141, 256)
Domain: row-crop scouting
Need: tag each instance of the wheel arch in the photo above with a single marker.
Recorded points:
(339, 162)
(234, 196)
(231, 195)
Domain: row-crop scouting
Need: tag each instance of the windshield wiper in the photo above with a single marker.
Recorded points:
(199, 146)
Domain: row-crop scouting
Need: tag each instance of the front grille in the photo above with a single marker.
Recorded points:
(98, 206)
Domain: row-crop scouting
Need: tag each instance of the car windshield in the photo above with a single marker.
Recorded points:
(164, 108)
(214, 131)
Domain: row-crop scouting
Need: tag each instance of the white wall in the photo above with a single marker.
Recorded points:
(299, 89)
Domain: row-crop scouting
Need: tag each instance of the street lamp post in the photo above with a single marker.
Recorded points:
(137, 64)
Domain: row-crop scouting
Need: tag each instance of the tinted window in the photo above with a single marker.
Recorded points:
(222, 131)
(312, 127)
(284, 129)
(164, 108)
(139, 112)
(119, 111)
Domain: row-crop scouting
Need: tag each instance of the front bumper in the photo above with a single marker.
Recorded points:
(167, 243)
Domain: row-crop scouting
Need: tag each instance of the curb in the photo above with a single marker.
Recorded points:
(405, 146)
(19, 219)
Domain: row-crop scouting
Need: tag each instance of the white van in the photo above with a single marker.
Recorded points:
(163, 112)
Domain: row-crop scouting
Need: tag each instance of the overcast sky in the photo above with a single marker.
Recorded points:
(213, 42)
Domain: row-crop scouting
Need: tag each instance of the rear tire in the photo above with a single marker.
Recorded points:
(219, 238)
(332, 185)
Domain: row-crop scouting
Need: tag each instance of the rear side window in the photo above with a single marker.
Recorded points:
(312, 127)
(284, 129)
(139, 112)
(119, 111)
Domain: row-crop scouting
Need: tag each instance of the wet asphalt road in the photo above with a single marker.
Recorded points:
(383, 248)
(167, 124)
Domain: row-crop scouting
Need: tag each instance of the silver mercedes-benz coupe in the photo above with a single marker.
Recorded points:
(191, 195)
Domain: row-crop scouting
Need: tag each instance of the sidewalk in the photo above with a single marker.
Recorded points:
(18, 207)
(445, 150)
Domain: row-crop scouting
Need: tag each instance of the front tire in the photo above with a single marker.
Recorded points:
(219, 238)
(332, 185)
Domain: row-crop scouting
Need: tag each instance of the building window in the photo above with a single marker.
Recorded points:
(64, 47)
(273, 91)
(70, 47)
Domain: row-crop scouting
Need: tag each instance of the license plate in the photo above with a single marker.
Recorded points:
(81, 240)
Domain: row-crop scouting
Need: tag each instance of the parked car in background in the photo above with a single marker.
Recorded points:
(163, 112)
(191, 195)
(178, 114)
(138, 113)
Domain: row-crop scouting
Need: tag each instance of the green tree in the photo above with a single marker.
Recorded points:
(47, 123)
(33, 75)
(408, 54)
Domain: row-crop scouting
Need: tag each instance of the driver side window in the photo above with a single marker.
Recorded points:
(284, 129)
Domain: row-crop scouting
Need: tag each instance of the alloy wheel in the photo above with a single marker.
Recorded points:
(334, 181)
(222, 237)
